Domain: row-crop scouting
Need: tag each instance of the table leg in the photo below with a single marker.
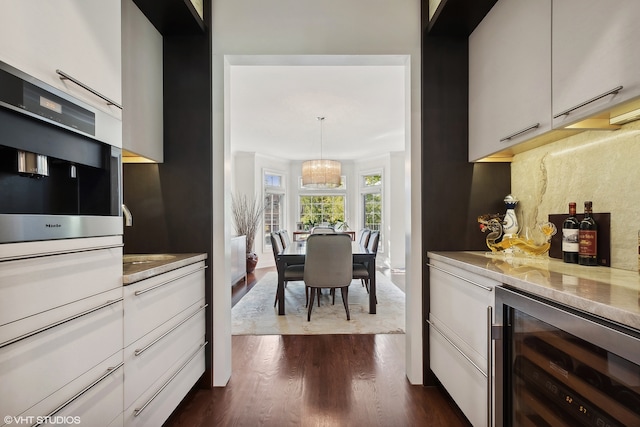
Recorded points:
(280, 291)
(372, 286)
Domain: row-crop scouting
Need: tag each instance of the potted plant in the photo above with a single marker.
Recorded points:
(247, 212)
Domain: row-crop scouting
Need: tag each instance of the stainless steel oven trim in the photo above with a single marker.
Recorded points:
(25, 228)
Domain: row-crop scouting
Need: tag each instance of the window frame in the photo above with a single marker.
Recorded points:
(273, 190)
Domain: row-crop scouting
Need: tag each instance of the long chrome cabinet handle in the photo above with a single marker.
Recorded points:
(138, 352)
(572, 109)
(83, 391)
(489, 366)
(138, 411)
(70, 251)
(66, 76)
(486, 288)
(142, 291)
(435, 328)
(60, 322)
(520, 132)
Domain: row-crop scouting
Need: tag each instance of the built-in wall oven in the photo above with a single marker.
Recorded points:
(59, 175)
(557, 366)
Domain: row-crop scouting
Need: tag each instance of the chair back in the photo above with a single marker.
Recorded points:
(329, 261)
(364, 237)
(276, 245)
(374, 239)
(286, 240)
(322, 230)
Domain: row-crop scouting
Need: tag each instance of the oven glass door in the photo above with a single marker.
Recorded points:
(569, 369)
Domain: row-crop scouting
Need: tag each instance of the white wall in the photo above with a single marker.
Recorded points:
(281, 31)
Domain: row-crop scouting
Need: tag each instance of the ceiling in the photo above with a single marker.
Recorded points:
(274, 110)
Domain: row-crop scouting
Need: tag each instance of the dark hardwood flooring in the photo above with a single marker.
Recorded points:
(316, 380)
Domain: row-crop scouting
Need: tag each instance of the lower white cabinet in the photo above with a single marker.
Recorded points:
(238, 259)
(61, 333)
(460, 346)
(164, 328)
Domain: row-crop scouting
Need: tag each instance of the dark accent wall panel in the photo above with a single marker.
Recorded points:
(454, 191)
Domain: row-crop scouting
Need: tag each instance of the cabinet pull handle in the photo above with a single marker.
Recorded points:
(142, 291)
(138, 352)
(489, 366)
(138, 411)
(486, 288)
(65, 76)
(572, 109)
(70, 251)
(60, 322)
(435, 328)
(110, 371)
(520, 132)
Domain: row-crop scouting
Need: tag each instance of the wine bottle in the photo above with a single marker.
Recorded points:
(570, 231)
(588, 236)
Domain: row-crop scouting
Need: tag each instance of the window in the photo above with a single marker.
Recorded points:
(274, 196)
(316, 210)
(371, 192)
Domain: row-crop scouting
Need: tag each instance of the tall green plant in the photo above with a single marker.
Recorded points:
(246, 212)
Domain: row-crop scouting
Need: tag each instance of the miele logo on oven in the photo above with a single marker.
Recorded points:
(53, 225)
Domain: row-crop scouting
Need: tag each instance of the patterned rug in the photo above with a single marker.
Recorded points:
(255, 314)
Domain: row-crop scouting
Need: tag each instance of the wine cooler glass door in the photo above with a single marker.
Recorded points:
(566, 368)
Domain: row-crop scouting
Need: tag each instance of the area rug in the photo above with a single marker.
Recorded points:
(255, 314)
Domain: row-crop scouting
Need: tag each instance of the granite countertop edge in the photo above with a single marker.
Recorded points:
(137, 272)
(606, 292)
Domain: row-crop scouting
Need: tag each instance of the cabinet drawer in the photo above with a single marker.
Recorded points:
(93, 399)
(461, 305)
(155, 405)
(149, 358)
(152, 302)
(466, 385)
(37, 366)
(65, 281)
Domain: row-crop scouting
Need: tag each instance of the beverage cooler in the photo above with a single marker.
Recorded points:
(556, 366)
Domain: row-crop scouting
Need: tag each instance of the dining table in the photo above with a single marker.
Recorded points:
(295, 254)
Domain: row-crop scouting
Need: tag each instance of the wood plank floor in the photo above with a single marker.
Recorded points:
(316, 380)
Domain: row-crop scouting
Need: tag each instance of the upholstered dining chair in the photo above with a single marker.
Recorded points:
(363, 239)
(292, 273)
(322, 230)
(328, 264)
(284, 236)
(361, 270)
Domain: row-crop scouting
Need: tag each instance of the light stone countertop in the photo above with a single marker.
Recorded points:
(136, 267)
(610, 293)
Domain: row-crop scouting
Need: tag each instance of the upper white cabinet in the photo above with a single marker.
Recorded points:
(509, 76)
(595, 51)
(142, 117)
(78, 37)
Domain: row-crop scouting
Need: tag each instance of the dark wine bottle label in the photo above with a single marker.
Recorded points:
(588, 245)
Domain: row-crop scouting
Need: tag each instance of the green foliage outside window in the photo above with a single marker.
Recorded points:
(316, 210)
(373, 210)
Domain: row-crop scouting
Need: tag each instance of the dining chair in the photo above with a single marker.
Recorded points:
(364, 237)
(328, 264)
(322, 230)
(361, 270)
(292, 273)
(284, 236)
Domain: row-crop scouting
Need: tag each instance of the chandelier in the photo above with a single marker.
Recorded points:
(321, 173)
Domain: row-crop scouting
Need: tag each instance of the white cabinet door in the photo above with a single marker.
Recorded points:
(142, 116)
(509, 76)
(80, 37)
(595, 50)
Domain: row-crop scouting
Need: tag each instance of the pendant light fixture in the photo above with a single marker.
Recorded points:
(321, 173)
